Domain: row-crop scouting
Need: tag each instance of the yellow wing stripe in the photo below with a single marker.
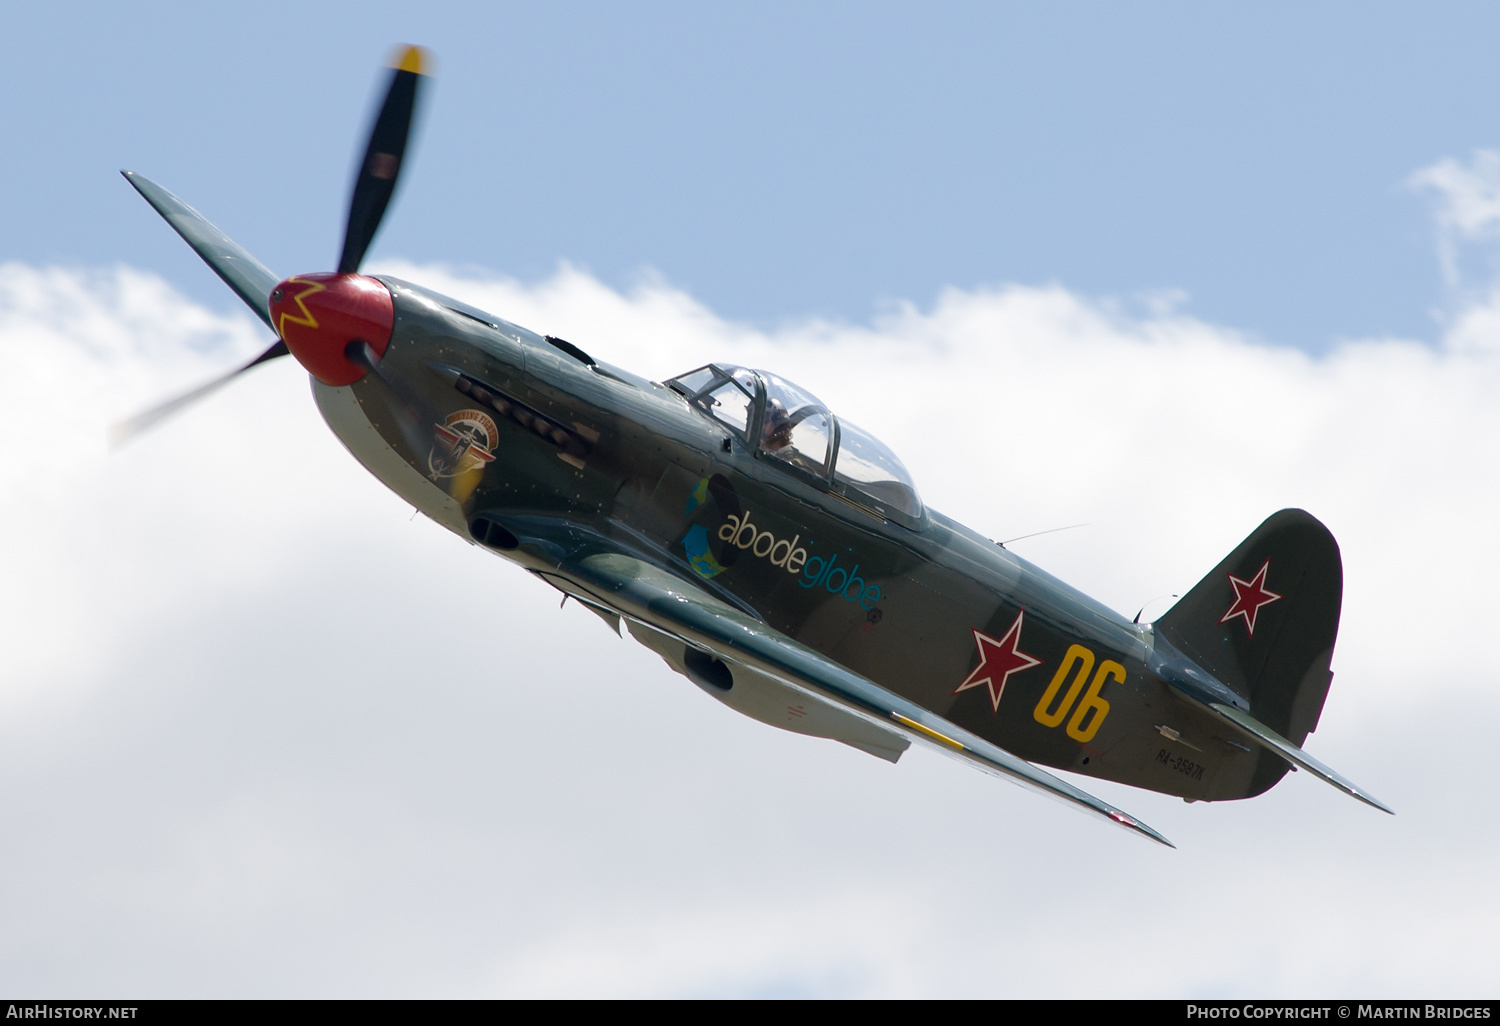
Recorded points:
(914, 725)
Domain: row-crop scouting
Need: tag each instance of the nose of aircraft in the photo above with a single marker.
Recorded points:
(318, 316)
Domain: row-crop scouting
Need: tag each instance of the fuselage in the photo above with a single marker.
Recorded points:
(533, 432)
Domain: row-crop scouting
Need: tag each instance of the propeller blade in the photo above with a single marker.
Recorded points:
(126, 430)
(381, 167)
(250, 279)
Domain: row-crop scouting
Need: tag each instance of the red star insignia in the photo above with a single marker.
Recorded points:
(1249, 596)
(998, 660)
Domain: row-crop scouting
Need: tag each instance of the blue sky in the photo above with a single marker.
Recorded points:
(785, 160)
(263, 732)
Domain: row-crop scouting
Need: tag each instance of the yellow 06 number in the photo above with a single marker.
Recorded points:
(1089, 714)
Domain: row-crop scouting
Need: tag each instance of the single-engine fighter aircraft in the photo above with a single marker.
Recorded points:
(777, 555)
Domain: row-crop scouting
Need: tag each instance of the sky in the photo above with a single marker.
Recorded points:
(264, 733)
(783, 160)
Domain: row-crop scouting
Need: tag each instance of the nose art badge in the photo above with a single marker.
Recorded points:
(465, 442)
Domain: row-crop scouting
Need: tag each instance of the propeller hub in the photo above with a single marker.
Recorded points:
(319, 315)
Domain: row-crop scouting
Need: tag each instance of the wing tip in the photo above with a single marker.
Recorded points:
(1130, 822)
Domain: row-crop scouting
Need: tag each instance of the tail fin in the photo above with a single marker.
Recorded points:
(1264, 622)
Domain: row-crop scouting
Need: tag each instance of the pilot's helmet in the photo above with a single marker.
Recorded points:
(776, 415)
(778, 423)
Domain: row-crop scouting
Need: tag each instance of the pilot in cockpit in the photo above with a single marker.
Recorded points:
(776, 431)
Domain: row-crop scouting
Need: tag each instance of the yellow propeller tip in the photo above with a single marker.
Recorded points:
(413, 59)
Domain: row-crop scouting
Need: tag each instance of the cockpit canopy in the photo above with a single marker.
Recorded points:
(790, 425)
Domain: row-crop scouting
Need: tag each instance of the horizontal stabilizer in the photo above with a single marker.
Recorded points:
(250, 279)
(1264, 736)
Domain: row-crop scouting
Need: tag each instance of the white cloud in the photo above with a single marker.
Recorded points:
(1466, 219)
(265, 735)
(1468, 195)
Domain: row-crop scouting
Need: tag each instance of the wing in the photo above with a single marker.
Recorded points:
(642, 592)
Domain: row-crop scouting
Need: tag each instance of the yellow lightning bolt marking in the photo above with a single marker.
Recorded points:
(307, 319)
